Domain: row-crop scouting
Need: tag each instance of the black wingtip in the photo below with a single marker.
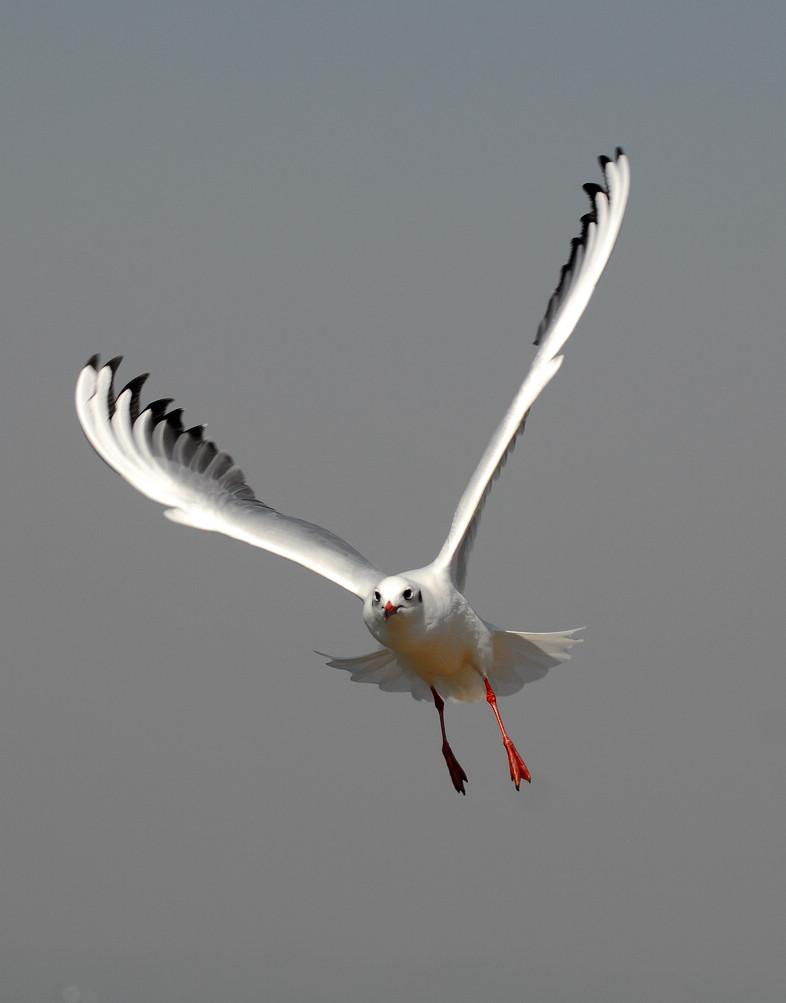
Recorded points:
(111, 399)
(603, 161)
(157, 408)
(166, 436)
(135, 386)
(173, 419)
(592, 190)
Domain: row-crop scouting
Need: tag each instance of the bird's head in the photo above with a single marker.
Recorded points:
(391, 605)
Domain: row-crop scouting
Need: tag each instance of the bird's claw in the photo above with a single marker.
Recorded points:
(457, 774)
(518, 768)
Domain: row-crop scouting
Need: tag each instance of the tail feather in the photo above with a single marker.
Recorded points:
(521, 658)
(384, 669)
(518, 659)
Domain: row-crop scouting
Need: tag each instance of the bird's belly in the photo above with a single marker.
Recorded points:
(455, 670)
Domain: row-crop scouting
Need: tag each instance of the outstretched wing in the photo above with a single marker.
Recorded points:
(201, 486)
(589, 253)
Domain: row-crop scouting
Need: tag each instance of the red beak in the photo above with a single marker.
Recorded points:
(390, 609)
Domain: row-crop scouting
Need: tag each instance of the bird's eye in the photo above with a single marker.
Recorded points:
(377, 596)
(407, 593)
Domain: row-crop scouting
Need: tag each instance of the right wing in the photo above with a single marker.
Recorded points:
(201, 486)
(588, 257)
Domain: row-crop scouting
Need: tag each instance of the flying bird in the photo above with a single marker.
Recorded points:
(431, 642)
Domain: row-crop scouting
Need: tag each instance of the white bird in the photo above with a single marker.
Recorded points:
(432, 642)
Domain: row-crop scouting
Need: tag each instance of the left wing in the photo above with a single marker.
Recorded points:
(589, 253)
(201, 486)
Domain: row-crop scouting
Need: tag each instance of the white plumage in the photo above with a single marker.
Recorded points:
(434, 644)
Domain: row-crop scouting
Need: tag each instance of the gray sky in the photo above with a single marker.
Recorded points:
(330, 230)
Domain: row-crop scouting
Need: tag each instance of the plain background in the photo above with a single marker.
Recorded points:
(330, 230)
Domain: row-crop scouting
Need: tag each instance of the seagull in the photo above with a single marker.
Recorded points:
(431, 642)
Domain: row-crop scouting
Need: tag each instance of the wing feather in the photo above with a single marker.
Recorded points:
(200, 485)
(588, 256)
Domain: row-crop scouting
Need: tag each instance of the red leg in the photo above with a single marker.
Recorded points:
(457, 775)
(518, 768)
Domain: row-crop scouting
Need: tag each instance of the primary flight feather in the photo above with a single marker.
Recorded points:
(433, 644)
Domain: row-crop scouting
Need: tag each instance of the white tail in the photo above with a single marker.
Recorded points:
(521, 658)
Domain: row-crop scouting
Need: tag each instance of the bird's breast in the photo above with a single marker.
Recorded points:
(452, 656)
